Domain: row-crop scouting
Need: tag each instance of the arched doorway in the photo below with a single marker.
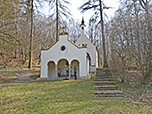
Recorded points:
(75, 69)
(51, 70)
(63, 69)
(88, 63)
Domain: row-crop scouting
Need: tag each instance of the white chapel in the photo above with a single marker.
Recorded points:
(68, 60)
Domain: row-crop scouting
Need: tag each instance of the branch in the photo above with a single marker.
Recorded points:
(10, 36)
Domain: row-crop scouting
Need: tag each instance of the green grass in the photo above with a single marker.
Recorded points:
(138, 91)
(10, 68)
(107, 85)
(105, 82)
(62, 97)
(131, 71)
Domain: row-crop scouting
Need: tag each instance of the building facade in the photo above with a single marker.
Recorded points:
(66, 60)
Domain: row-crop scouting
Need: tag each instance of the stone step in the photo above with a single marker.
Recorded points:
(105, 79)
(109, 94)
(105, 83)
(104, 76)
(105, 88)
(103, 72)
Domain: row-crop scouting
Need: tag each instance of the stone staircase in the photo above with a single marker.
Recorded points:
(105, 85)
(104, 88)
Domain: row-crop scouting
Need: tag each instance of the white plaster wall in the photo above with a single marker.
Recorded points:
(71, 53)
(91, 49)
(44, 66)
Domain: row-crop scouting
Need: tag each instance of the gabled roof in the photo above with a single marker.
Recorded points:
(84, 37)
(63, 33)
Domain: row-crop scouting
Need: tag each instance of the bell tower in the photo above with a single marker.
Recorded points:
(82, 26)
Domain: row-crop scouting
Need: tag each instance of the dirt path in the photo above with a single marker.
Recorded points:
(24, 76)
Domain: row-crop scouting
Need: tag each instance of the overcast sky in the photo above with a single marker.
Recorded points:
(78, 16)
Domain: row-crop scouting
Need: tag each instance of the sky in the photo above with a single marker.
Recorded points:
(77, 15)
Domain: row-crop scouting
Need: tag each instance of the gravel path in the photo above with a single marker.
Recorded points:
(24, 77)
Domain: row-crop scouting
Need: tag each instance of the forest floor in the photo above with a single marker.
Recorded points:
(21, 93)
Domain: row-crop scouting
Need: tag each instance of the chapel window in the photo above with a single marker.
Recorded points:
(63, 48)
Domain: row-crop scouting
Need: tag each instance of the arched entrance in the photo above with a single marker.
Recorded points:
(63, 69)
(75, 69)
(51, 70)
(88, 63)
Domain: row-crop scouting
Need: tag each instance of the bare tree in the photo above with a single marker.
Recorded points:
(61, 9)
(97, 6)
(74, 30)
(130, 37)
(31, 38)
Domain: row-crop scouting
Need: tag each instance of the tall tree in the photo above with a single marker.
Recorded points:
(7, 30)
(31, 38)
(74, 30)
(30, 7)
(105, 64)
(60, 8)
(147, 6)
(30, 11)
(130, 37)
(57, 20)
(97, 5)
(15, 31)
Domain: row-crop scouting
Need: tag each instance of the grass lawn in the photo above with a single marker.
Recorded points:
(63, 97)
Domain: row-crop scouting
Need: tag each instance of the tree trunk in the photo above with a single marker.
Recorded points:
(31, 38)
(57, 20)
(137, 33)
(105, 64)
(144, 5)
(15, 5)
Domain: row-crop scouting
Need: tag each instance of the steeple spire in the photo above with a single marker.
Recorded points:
(82, 22)
(82, 26)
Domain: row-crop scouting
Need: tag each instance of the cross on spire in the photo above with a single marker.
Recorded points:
(82, 22)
